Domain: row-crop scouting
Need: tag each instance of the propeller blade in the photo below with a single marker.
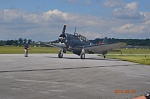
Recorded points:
(56, 41)
(62, 37)
(64, 29)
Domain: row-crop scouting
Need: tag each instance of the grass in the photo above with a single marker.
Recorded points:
(33, 50)
(132, 51)
(141, 56)
(133, 58)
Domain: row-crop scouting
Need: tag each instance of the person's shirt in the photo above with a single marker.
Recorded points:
(26, 46)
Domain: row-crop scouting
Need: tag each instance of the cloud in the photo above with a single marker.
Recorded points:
(48, 25)
(26, 24)
(55, 15)
(135, 28)
(128, 11)
(123, 10)
(130, 28)
(9, 15)
(146, 16)
(91, 35)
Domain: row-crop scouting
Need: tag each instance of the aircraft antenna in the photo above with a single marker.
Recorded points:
(75, 30)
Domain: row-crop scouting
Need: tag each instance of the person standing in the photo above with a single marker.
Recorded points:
(26, 48)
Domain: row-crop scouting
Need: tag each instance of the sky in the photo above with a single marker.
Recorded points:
(43, 20)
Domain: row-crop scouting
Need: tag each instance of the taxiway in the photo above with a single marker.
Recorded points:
(44, 76)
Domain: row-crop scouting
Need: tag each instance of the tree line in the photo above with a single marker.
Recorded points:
(18, 42)
(133, 42)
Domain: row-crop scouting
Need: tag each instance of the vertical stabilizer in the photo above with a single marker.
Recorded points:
(105, 40)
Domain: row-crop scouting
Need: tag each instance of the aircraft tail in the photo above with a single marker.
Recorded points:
(105, 40)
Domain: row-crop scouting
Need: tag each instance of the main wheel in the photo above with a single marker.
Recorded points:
(104, 56)
(82, 56)
(60, 55)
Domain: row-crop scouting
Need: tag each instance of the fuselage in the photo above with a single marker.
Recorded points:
(74, 43)
(76, 40)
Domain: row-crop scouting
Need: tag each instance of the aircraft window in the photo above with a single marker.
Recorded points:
(76, 34)
(81, 37)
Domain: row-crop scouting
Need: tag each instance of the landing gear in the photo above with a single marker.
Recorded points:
(82, 55)
(104, 56)
(60, 54)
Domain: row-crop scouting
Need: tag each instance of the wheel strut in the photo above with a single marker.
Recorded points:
(60, 54)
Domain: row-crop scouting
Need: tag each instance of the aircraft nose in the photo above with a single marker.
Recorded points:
(61, 39)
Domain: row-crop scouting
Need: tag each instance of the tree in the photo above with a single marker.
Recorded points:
(9, 42)
(29, 41)
(2, 43)
(25, 41)
(20, 41)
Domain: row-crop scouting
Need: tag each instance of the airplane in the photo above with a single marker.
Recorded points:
(79, 45)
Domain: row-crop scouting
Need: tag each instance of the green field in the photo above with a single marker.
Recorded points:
(141, 56)
(133, 58)
(32, 50)
(132, 51)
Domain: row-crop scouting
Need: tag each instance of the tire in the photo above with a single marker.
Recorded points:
(104, 56)
(60, 55)
(82, 56)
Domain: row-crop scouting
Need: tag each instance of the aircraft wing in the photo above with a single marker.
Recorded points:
(59, 45)
(102, 47)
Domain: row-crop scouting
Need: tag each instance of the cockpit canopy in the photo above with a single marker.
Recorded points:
(80, 37)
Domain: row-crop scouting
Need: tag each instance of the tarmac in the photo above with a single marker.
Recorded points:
(45, 76)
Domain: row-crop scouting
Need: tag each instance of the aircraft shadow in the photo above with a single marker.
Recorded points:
(85, 58)
(67, 68)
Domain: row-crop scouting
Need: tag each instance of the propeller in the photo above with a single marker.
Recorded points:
(64, 29)
(62, 37)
